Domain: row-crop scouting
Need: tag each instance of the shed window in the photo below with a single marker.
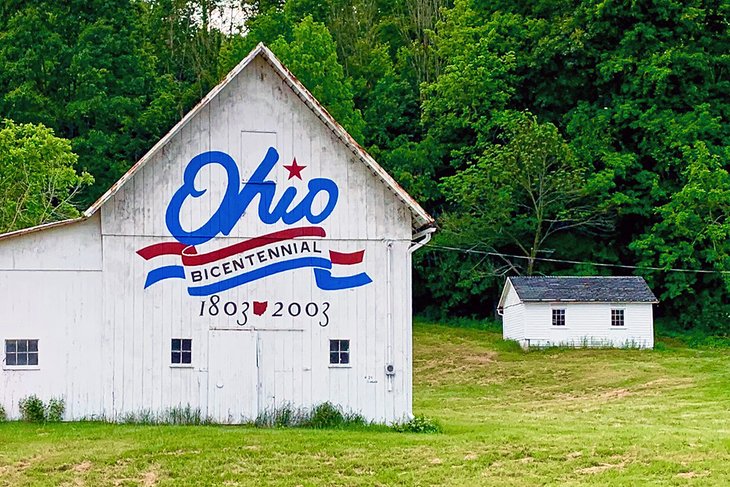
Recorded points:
(617, 317)
(559, 317)
(21, 352)
(339, 352)
(182, 351)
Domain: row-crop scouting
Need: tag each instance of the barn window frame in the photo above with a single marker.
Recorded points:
(181, 349)
(618, 318)
(30, 353)
(339, 355)
(559, 317)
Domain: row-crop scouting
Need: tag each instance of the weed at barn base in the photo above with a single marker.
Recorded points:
(34, 410)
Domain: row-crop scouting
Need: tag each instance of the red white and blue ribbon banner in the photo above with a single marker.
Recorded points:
(232, 266)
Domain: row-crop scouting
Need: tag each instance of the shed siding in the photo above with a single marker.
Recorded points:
(589, 324)
(513, 316)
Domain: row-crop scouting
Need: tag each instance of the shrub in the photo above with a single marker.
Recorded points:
(183, 415)
(32, 409)
(419, 424)
(55, 410)
(3, 416)
(326, 415)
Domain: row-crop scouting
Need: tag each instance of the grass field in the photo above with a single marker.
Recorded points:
(551, 417)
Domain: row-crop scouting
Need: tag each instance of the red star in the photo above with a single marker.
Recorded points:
(294, 169)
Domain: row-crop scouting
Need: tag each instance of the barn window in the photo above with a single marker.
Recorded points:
(559, 317)
(339, 352)
(182, 351)
(617, 317)
(21, 353)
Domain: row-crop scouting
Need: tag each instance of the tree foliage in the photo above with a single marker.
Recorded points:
(102, 74)
(521, 193)
(582, 131)
(37, 177)
(311, 56)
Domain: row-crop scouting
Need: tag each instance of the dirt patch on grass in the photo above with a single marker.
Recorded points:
(620, 462)
(83, 467)
(601, 467)
(615, 394)
(600, 395)
(667, 383)
(18, 467)
(692, 475)
(179, 453)
(150, 478)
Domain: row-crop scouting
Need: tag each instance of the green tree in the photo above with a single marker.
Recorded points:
(37, 178)
(312, 57)
(693, 232)
(85, 69)
(629, 85)
(522, 192)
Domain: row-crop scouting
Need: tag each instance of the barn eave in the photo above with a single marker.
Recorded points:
(44, 226)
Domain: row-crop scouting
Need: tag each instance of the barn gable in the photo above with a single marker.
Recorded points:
(265, 63)
(261, 57)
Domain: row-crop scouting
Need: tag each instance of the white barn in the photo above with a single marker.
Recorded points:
(578, 311)
(255, 257)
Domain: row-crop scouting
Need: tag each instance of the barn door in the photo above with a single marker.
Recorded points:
(232, 376)
(280, 368)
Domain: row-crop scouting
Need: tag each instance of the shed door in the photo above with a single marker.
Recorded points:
(232, 375)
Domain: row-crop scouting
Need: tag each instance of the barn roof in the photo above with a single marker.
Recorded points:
(421, 219)
(601, 289)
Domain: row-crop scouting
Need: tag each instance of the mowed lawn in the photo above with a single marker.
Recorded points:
(553, 417)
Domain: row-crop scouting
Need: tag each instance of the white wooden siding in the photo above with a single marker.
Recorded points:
(115, 336)
(589, 324)
(51, 283)
(513, 316)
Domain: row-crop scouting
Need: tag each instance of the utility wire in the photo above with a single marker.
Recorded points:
(564, 261)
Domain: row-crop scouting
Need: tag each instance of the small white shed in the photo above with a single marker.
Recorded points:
(593, 311)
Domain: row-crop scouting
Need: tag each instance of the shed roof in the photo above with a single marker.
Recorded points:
(600, 289)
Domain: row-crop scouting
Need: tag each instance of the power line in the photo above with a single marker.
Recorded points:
(579, 262)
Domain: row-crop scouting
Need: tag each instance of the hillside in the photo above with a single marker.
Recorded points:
(554, 417)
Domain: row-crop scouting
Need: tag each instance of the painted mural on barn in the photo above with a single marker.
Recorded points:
(210, 273)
